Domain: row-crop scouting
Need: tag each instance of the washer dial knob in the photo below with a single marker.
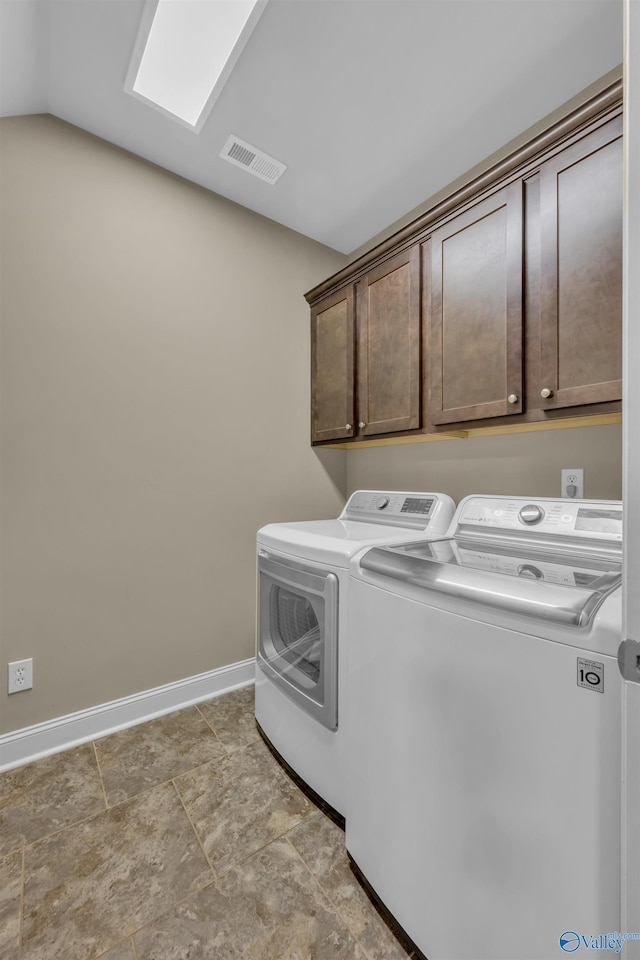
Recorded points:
(529, 571)
(531, 514)
(381, 503)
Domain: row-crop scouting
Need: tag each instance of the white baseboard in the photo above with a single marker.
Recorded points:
(31, 743)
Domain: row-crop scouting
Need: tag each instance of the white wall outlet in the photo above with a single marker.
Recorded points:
(573, 483)
(20, 675)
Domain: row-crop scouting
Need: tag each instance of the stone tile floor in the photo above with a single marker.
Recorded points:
(179, 839)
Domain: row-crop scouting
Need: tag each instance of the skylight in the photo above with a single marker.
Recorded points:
(185, 52)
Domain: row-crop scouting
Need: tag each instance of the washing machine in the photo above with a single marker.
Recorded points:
(303, 599)
(484, 748)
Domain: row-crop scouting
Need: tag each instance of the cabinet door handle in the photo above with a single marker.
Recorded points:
(512, 398)
(347, 426)
(546, 393)
(362, 424)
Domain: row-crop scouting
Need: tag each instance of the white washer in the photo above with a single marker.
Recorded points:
(484, 729)
(303, 593)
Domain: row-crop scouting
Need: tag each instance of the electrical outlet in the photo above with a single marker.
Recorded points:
(573, 483)
(20, 675)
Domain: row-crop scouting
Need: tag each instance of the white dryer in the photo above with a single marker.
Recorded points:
(484, 730)
(303, 596)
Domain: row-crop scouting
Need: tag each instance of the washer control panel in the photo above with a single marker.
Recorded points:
(590, 519)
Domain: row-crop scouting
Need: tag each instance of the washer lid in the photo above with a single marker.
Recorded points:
(559, 588)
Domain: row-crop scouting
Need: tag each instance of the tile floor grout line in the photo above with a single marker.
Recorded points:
(324, 893)
(99, 813)
(162, 783)
(67, 826)
(336, 906)
(20, 924)
(313, 808)
(197, 835)
(182, 772)
(164, 913)
(113, 806)
(213, 730)
(127, 939)
(220, 873)
(210, 882)
(213, 883)
(280, 836)
(254, 853)
(104, 791)
(211, 727)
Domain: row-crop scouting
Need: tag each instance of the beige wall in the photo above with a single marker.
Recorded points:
(155, 385)
(526, 464)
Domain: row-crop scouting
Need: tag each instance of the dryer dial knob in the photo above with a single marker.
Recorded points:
(531, 514)
(382, 502)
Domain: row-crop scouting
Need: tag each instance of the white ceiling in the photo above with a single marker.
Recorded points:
(374, 105)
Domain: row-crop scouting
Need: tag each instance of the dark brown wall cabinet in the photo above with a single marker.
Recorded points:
(386, 358)
(388, 355)
(332, 367)
(504, 301)
(475, 343)
(581, 272)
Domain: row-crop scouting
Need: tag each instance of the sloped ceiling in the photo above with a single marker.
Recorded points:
(374, 105)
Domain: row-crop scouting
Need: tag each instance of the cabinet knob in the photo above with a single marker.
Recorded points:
(347, 426)
(546, 393)
(362, 424)
(512, 398)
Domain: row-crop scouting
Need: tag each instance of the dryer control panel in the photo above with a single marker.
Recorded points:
(400, 509)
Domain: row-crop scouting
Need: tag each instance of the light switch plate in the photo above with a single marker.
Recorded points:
(573, 483)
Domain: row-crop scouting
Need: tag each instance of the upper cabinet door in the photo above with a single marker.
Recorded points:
(332, 367)
(581, 269)
(475, 344)
(388, 305)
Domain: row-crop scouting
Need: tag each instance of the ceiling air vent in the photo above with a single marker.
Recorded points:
(252, 160)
